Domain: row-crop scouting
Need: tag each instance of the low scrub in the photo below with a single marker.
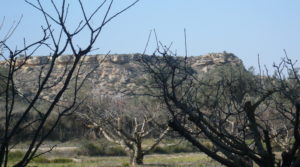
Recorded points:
(61, 160)
(41, 160)
(175, 148)
(101, 149)
(15, 156)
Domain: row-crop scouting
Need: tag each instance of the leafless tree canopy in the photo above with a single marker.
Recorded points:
(247, 117)
(126, 122)
(59, 37)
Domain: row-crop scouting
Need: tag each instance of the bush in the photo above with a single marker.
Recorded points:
(15, 156)
(160, 150)
(62, 160)
(18, 155)
(92, 149)
(175, 148)
(101, 149)
(115, 151)
(41, 160)
(125, 164)
(182, 148)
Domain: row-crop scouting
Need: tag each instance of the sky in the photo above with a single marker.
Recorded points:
(243, 27)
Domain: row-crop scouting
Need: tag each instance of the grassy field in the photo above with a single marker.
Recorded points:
(154, 160)
(170, 153)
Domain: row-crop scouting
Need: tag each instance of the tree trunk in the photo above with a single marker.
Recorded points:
(245, 162)
(287, 159)
(137, 158)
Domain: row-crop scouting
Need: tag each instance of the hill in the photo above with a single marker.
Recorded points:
(112, 75)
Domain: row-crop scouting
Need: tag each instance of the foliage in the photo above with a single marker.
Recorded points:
(175, 148)
(15, 156)
(61, 160)
(101, 149)
(41, 160)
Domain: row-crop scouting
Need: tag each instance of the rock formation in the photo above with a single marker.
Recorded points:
(112, 75)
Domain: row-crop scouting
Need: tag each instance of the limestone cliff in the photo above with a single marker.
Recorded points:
(112, 75)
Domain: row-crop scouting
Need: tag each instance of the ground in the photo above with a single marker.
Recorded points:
(154, 160)
(177, 153)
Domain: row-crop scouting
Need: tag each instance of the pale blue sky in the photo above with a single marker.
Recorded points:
(243, 27)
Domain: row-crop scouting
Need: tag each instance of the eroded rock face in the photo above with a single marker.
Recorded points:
(112, 75)
(209, 61)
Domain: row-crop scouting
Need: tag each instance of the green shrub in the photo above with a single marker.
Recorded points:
(175, 148)
(92, 149)
(18, 155)
(41, 160)
(182, 148)
(160, 150)
(125, 164)
(15, 156)
(62, 160)
(114, 151)
(101, 149)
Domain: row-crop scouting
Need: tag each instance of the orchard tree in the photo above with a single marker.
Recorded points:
(60, 38)
(126, 122)
(244, 116)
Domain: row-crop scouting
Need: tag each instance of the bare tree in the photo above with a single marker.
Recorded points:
(126, 124)
(60, 39)
(239, 113)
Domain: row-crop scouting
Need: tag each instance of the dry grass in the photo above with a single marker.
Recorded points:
(155, 160)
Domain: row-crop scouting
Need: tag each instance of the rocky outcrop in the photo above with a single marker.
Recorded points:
(113, 75)
(210, 61)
